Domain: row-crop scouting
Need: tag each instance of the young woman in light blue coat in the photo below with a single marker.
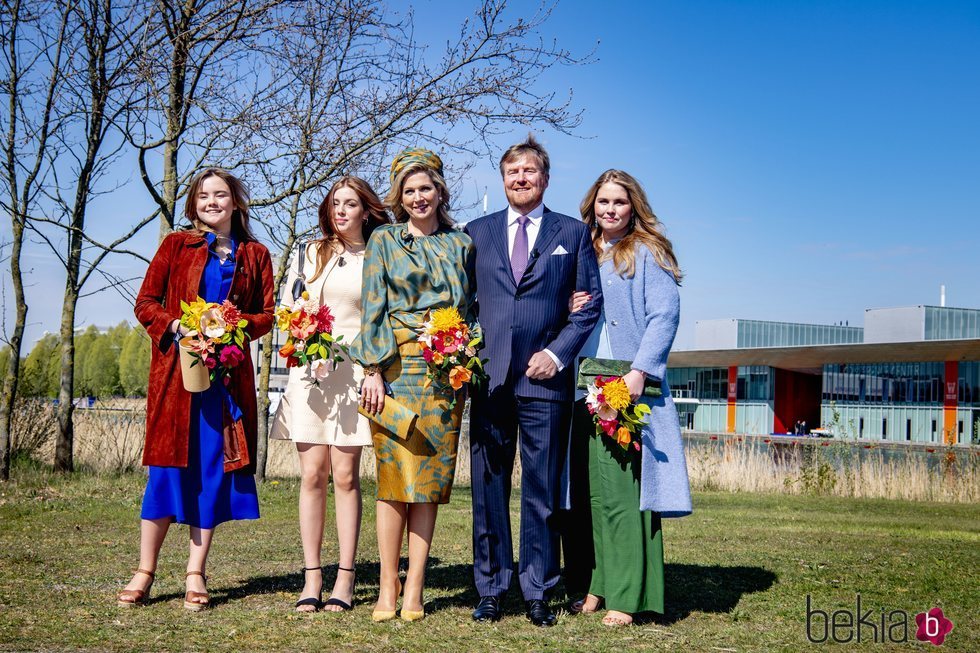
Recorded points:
(629, 491)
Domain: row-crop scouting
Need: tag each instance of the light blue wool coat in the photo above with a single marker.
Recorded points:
(641, 315)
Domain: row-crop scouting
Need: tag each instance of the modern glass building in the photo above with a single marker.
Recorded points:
(910, 375)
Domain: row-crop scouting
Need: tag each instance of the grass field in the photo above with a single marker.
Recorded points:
(738, 573)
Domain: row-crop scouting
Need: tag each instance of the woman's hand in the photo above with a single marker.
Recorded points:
(178, 329)
(578, 300)
(634, 380)
(373, 393)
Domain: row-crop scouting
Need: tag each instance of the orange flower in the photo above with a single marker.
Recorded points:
(458, 376)
(437, 358)
(623, 436)
(287, 350)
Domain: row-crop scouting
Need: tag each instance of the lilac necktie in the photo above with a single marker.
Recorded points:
(518, 257)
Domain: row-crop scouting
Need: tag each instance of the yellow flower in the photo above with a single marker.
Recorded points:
(444, 319)
(283, 317)
(617, 395)
(193, 312)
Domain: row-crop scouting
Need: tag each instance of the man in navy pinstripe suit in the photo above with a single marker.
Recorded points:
(529, 261)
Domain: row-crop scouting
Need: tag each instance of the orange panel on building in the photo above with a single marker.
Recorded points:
(950, 401)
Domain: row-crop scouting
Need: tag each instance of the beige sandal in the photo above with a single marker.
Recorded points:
(196, 601)
(135, 598)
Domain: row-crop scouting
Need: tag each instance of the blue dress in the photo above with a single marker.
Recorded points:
(202, 494)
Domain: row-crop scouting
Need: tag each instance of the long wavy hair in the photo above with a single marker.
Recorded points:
(239, 192)
(394, 198)
(331, 242)
(644, 228)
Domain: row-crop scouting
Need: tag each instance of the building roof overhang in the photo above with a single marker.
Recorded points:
(813, 358)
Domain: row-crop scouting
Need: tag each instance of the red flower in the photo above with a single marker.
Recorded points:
(324, 320)
(231, 356)
(608, 426)
(230, 312)
(210, 363)
(292, 362)
(427, 354)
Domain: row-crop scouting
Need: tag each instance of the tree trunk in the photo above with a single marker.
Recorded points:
(176, 107)
(16, 342)
(64, 444)
(263, 403)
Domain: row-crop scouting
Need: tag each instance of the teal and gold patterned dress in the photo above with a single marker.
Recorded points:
(404, 276)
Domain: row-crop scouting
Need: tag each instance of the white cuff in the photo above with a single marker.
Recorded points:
(555, 358)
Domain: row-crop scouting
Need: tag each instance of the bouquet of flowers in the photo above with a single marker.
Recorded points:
(450, 351)
(216, 338)
(309, 337)
(614, 414)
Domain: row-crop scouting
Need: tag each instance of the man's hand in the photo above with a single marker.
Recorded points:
(541, 366)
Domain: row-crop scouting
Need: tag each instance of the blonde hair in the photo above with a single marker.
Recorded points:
(239, 193)
(331, 242)
(394, 197)
(644, 228)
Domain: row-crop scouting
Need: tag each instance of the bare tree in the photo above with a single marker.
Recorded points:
(93, 96)
(31, 38)
(192, 53)
(349, 85)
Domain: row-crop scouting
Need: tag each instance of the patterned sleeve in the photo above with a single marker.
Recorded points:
(375, 345)
(471, 314)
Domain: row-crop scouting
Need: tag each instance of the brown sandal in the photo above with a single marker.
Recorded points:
(196, 601)
(135, 598)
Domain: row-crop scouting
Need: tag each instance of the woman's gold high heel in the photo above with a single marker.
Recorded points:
(387, 615)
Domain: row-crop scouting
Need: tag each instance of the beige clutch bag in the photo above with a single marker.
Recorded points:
(395, 417)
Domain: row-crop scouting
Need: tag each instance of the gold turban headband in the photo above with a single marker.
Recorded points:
(412, 156)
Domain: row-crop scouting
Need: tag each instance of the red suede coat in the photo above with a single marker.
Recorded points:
(174, 275)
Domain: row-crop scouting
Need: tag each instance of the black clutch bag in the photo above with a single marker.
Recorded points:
(300, 284)
(590, 368)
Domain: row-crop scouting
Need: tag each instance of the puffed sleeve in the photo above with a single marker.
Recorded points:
(662, 306)
(149, 308)
(262, 309)
(375, 345)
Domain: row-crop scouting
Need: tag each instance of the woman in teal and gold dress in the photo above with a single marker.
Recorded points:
(418, 264)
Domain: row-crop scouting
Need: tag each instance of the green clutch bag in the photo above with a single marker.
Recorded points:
(590, 368)
(395, 417)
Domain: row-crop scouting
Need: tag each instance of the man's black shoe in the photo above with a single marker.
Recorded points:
(540, 614)
(488, 609)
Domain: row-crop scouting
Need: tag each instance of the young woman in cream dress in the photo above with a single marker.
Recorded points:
(322, 418)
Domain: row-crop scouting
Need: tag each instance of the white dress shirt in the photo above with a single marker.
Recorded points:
(533, 227)
(535, 216)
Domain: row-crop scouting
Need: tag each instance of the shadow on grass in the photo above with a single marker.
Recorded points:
(689, 588)
(699, 588)
(447, 578)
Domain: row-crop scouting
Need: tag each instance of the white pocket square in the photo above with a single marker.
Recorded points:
(559, 251)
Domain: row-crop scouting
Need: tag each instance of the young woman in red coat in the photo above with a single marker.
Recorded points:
(200, 447)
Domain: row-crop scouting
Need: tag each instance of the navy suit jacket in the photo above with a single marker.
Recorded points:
(519, 320)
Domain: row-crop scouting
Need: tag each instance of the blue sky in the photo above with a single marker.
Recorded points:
(809, 159)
